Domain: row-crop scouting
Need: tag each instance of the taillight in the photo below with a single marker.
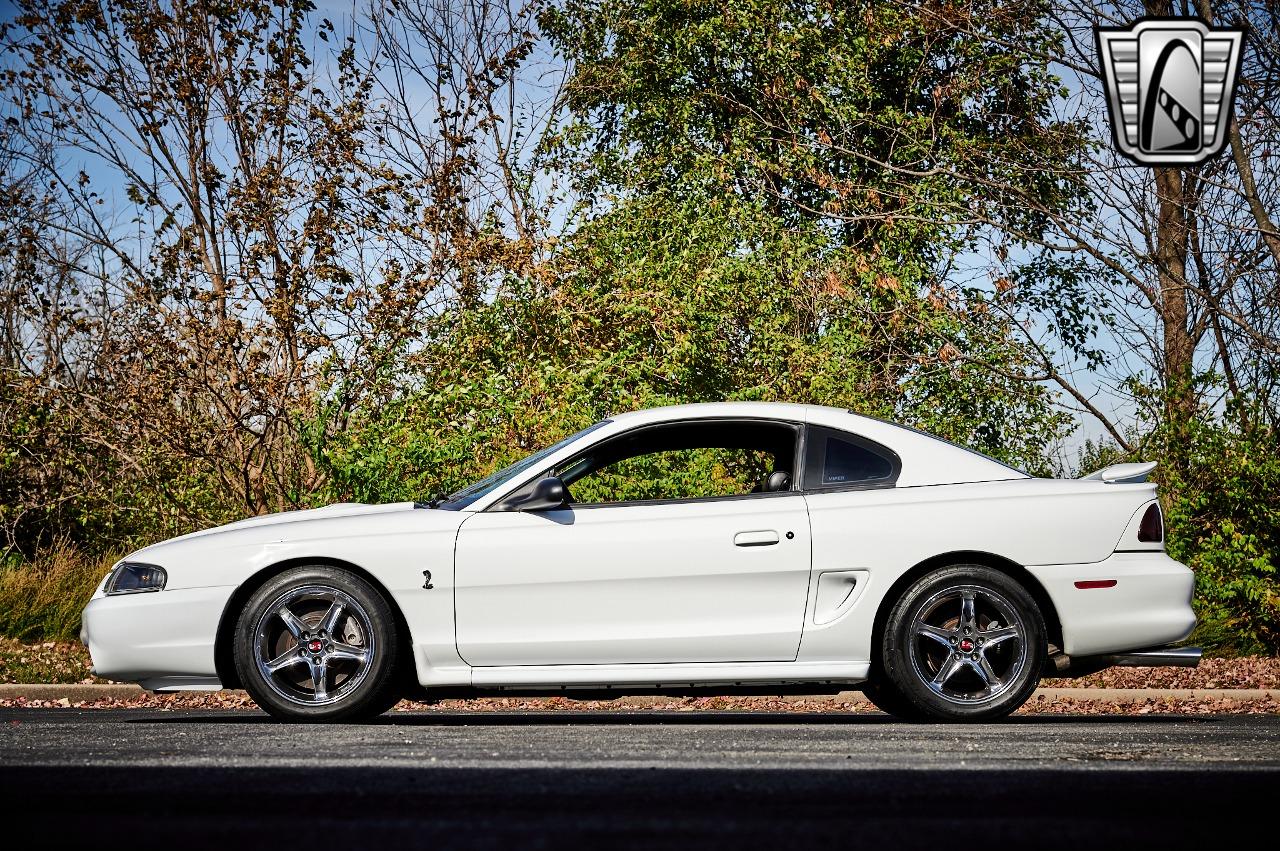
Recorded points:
(1151, 529)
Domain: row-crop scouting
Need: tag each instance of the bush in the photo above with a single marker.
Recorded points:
(1225, 523)
(1217, 477)
(41, 599)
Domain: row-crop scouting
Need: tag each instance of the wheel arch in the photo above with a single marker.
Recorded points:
(1015, 571)
(224, 662)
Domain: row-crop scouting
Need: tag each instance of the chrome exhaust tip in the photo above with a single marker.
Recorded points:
(1157, 657)
(1061, 665)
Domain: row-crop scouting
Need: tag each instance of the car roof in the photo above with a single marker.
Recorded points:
(926, 459)
(701, 410)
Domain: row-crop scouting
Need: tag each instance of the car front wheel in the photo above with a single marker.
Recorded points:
(318, 644)
(966, 643)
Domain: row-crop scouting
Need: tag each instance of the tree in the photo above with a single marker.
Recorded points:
(1183, 260)
(1175, 266)
(865, 135)
(218, 207)
(738, 235)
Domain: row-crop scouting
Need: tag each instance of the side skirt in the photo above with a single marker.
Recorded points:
(663, 678)
(434, 693)
(181, 683)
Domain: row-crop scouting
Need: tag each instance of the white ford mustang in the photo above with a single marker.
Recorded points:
(702, 548)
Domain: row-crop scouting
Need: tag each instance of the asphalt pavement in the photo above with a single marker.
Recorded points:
(194, 779)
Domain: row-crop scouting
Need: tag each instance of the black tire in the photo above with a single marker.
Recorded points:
(976, 663)
(354, 647)
(886, 697)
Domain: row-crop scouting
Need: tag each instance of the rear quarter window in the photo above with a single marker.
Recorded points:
(836, 459)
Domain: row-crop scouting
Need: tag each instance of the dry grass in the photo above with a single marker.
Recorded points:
(41, 599)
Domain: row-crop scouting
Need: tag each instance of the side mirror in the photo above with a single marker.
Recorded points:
(549, 493)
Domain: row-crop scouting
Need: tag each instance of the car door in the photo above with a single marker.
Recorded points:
(719, 579)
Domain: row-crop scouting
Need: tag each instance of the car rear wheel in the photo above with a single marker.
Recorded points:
(966, 643)
(318, 644)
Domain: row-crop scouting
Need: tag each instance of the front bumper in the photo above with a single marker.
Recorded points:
(1148, 606)
(162, 640)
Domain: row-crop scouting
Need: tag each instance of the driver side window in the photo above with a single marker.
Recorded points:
(678, 474)
(695, 460)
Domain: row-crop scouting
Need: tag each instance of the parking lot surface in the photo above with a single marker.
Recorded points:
(636, 779)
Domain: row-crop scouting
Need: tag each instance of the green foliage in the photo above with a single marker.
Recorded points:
(890, 121)
(788, 178)
(756, 225)
(667, 300)
(680, 474)
(1096, 455)
(1220, 519)
(1225, 523)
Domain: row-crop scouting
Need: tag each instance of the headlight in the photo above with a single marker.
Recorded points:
(131, 577)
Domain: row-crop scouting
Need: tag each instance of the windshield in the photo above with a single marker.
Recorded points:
(469, 494)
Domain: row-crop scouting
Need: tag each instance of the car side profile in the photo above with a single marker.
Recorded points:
(708, 548)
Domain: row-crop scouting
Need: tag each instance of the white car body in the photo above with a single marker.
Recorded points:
(770, 588)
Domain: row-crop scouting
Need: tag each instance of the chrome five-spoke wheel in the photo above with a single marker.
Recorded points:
(318, 644)
(965, 642)
(968, 644)
(314, 645)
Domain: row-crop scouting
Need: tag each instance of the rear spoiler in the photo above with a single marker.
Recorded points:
(1123, 473)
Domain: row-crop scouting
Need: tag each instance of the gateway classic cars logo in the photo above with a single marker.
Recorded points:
(1170, 85)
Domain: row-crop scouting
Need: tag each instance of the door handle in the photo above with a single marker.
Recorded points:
(762, 538)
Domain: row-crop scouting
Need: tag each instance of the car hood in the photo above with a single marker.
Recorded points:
(226, 555)
(309, 517)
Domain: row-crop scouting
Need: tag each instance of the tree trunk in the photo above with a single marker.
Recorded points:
(1174, 307)
(1171, 248)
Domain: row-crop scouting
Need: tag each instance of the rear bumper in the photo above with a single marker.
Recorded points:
(1129, 601)
(161, 640)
